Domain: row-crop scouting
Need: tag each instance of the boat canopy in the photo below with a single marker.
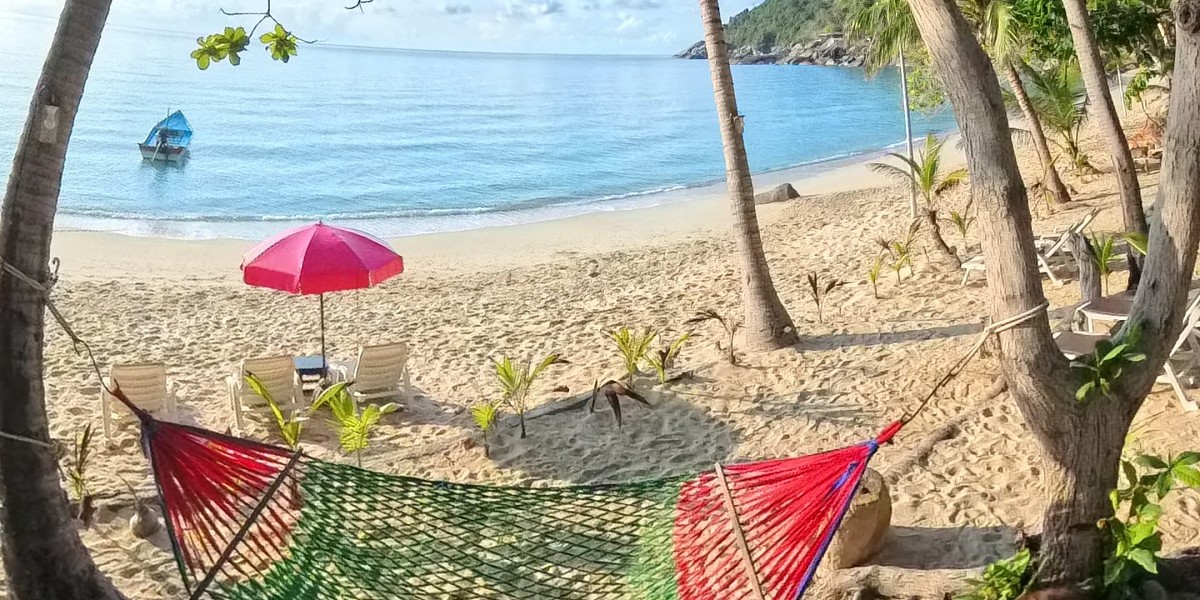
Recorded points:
(176, 131)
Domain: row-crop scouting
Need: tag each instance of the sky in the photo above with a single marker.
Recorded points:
(538, 26)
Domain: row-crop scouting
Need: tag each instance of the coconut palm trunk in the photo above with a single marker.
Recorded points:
(44, 558)
(1050, 177)
(1080, 442)
(767, 323)
(1102, 108)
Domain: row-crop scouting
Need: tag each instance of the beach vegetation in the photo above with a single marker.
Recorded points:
(516, 381)
(901, 252)
(962, 221)
(485, 414)
(614, 391)
(729, 327)
(78, 475)
(818, 289)
(1138, 242)
(663, 359)
(1060, 100)
(1134, 538)
(1100, 370)
(1103, 253)
(634, 347)
(1005, 579)
(874, 272)
(924, 171)
(289, 425)
(352, 423)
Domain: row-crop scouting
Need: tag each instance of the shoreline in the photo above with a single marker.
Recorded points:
(679, 216)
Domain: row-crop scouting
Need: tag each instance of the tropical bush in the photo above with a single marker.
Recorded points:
(1004, 579)
(1104, 366)
(1060, 100)
(352, 423)
(289, 425)
(729, 326)
(516, 381)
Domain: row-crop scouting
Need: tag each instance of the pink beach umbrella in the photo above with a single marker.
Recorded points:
(320, 258)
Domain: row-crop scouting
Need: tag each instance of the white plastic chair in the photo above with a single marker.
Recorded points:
(379, 372)
(143, 384)
(1049, 250)
(278, 374)
(1074, 344)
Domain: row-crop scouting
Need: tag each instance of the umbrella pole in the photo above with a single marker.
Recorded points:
(322, 296)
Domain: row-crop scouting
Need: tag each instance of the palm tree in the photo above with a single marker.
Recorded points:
(1000, 35)
(1096, 81)
(925, 175)
(43, 556)
(1059, 98)
(889, 26)
(767, 323)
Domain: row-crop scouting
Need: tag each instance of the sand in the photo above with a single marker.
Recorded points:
(559, 286)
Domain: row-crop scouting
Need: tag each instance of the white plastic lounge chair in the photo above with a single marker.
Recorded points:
(1051, 251)
(278, 374)
(1115, 308)
(145, 385)
(1074, 344)
(380, 372)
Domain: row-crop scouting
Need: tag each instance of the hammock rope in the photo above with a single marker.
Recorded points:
(253, 521)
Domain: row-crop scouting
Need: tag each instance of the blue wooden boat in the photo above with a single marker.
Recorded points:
(169, 140)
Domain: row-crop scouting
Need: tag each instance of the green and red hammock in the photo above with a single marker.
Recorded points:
(252, 521)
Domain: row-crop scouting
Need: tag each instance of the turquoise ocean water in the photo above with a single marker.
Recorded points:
(404, 142)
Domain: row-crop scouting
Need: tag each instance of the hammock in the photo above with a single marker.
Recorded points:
(252, 521)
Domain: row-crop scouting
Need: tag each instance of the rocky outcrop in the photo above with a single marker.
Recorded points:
(780, 193)
(831, 49)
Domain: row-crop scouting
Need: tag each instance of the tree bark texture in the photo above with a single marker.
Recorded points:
(43, 555)
(1050, 176)
(1090, 287)
(941, 257)
(1102, 109)
(767, 323)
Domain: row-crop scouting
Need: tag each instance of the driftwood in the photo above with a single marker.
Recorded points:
(893, 583)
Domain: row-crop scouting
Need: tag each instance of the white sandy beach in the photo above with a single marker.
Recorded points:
(527, 290)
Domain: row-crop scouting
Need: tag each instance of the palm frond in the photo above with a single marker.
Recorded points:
(952, 179)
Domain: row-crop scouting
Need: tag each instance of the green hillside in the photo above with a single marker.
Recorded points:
(785, 22)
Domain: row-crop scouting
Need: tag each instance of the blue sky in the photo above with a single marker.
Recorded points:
(549, 26)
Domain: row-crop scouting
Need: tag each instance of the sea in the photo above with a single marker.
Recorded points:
(402, 142)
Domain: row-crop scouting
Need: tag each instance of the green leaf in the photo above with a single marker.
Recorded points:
(1114, 569)
(1083, 391)
(1187, 475)
(1130, 472)
(1165, 482)
(1114, 498)
(1150, 461)
(1147, 512)
(1145, 559)
(1188, 458)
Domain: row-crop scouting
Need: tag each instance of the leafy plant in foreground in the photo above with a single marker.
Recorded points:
(962, 221)
(289, 425)
(902, 255)
(873, 274)
(1104, 366)
(818, 290)
(77, 473)
(484, 414)
(1135, 540)
(219, 46)
(352, 424)
(1104, 251)
(664, 358)
(729, 326)
(517, 380)
(634, 347)
(1004, 579)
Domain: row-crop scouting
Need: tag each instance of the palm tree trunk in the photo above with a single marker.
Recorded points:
(1080, 442)
(767, 323)
(912, 188)
(1101, 106)
(1049, 174)
(43, 555)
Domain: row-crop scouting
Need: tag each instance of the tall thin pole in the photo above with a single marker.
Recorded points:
(322, 296)
(1121, 88)
(912, 190)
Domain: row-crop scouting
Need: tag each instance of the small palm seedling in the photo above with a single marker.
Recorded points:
(517, 380)
(1101, 369)
(818, 289)
(1139, 242)
(77, 475)
(613, 391)
(289, 424)
(664, 358)
(353, 425)
(962, 221)
(925, 172)
(873, 274)
(901, 256)
(634, 348)
(484, 415)
(729, 326)
(1104, 251)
